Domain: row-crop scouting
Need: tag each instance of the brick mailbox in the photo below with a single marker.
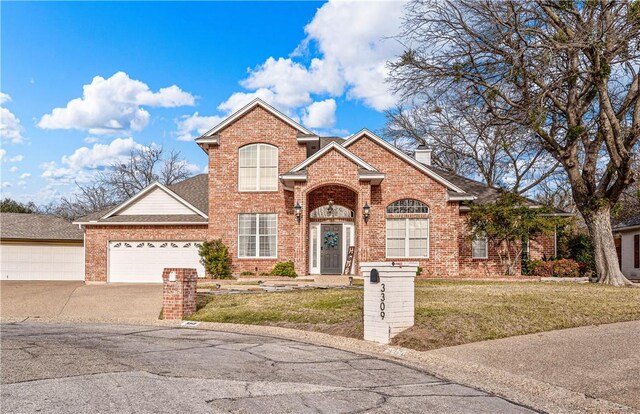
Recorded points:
(389, 301)
(179, 292)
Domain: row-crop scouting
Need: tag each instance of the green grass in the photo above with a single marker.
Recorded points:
(447, 312)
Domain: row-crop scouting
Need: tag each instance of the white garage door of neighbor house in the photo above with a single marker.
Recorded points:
(143, 261)
(38, 261)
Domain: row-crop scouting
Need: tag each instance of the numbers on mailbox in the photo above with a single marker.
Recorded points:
(382, 298)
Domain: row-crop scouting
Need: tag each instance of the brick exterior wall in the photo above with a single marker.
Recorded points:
(226, 202)
(179, 296)
(332, 177)
(97, 239)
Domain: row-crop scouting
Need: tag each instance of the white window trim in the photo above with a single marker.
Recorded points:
(406, 239)
(257, 236)
(486, 250)
(258, 189)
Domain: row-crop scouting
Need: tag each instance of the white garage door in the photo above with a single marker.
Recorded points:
(35, 261)
(143, 261)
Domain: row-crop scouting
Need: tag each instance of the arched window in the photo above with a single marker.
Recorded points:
(407, 237)
(258, 168)
(407, 206)
(331, 211)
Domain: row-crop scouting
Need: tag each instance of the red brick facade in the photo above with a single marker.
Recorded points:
(333, 176)
(97, 238)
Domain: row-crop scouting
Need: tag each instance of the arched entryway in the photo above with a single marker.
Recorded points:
(332, 230)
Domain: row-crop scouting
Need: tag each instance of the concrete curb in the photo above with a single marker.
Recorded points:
(519, 389)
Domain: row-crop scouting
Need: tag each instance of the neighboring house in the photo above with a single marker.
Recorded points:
(627, 236)
(275, 191)
(40, 247)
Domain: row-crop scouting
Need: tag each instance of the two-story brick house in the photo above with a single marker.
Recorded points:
(275, 191)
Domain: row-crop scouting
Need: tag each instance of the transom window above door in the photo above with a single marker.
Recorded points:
(258, 168)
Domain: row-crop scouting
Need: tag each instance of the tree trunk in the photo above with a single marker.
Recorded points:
(607, 267)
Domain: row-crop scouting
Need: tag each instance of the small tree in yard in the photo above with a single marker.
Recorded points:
(506, 223)
(214, 255)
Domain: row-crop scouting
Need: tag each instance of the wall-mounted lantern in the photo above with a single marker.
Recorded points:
(298, 211)
(366, 212)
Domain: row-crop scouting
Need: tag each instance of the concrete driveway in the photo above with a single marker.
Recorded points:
(77, 301)
(144, 369)
(599, 361)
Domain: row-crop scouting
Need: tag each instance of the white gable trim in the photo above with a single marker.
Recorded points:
(150, 188)
(401, 155)
(342, 150)
(248, 107)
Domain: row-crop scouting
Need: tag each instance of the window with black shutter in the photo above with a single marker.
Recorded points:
(636, 251)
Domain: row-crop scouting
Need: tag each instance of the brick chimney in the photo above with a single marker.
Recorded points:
(423, 154)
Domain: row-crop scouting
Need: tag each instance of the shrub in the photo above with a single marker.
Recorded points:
(566, 268)
(581, 250)
(540, 268)
(554, 268)
(214, 255)
(419, 271)
(246, 273)
(284, 269)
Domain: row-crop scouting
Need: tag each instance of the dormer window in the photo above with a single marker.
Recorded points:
(258, 168)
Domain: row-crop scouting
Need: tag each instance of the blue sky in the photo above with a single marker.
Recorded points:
(84, 83)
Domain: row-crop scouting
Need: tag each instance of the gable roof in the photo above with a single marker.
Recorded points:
(409, 160)
(333, 145)
(242, 111)
(194, 191)
(149, 189)
(21, 226)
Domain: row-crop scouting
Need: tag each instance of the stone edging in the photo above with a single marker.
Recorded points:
(519, 389)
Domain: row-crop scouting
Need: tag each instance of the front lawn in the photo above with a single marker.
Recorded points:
(447, 312)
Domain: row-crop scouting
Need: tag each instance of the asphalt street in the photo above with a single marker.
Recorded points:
(144, 369)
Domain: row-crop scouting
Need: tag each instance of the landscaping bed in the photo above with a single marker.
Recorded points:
(447, 312)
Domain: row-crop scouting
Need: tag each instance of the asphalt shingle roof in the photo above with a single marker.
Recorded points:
(630, 222)
(37, 227)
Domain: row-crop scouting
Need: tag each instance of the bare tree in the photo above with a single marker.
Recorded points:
(144, 166)
(466, 141)
(566, 70)
(88, 199)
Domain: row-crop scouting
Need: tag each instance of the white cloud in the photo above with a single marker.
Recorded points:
(113, 105)
(4, 98)
(355, 43)
(3, 153)
(5, 184)
(10, 127)
(84, 162)
(24, 176)
(13, 169)
(320, 114)
(17, 158)
(21, 183)
(195, 123)
(91, 140)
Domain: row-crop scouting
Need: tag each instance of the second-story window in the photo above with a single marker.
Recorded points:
(258, 168)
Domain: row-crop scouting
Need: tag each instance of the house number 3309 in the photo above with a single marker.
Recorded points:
(382, 301)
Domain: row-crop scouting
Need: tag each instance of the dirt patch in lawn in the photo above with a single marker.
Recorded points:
(447, 312)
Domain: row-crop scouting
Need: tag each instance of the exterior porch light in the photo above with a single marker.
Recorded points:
(366, 210)
(298, 211)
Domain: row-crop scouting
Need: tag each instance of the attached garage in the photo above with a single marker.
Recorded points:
(143, 261)
(40, 247)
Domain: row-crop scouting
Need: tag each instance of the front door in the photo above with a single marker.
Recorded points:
(331, 249)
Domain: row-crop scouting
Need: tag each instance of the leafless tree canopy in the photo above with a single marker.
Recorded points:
(466, 141)
(121, 181)
(565, 70)
(143, 167)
